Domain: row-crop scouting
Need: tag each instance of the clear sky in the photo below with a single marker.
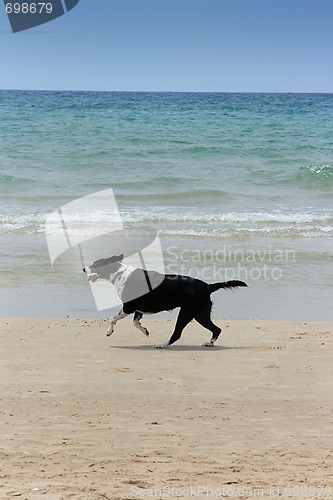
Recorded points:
(175, 45)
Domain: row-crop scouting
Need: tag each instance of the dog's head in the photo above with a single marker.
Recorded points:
(102, 269)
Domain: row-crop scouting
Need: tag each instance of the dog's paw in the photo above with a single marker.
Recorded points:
(162, 346)
(208, 344)
(145, 332)
(109, 333)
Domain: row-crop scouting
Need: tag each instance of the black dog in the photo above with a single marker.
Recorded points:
(148, 292)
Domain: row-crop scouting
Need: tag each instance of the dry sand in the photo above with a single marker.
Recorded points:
(89, 417)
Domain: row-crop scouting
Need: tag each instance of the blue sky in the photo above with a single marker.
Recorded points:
(175, 45)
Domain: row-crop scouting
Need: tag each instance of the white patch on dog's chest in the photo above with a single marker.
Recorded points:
(121, 277)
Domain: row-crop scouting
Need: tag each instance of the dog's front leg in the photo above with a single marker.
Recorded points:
(136, 320)
(114, 320)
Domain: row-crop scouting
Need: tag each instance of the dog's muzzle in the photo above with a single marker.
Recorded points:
(93, 277)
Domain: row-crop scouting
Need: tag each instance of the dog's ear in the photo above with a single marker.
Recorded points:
(116, 258)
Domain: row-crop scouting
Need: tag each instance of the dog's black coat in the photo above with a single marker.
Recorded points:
(174, 291)
(190, 294)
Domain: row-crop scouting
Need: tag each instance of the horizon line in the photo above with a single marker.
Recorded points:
(171, 91)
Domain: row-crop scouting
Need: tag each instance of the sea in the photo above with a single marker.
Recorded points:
(234, 185)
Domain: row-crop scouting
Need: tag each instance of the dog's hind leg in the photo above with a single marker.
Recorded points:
(114, 320)
(205, 320)
(136, 320)
(184, 317)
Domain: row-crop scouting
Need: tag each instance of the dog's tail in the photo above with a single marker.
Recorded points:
(226, 284)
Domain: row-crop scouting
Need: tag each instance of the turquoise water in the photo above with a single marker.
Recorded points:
(231, 182)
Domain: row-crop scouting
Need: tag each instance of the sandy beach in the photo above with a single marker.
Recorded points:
(89, 417)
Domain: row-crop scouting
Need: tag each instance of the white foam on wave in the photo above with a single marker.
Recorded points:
(90, 224)
(325, 170)
(179, 221)
(177, 215)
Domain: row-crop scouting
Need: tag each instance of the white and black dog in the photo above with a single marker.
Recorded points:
(190, 294)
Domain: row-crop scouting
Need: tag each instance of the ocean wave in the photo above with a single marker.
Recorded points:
(245, 233)
(131, 184)
(317, 176)
(6, 179)
(182, 222)
(176, 198)
(202, 150)
(321, 170)
(229, 217)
